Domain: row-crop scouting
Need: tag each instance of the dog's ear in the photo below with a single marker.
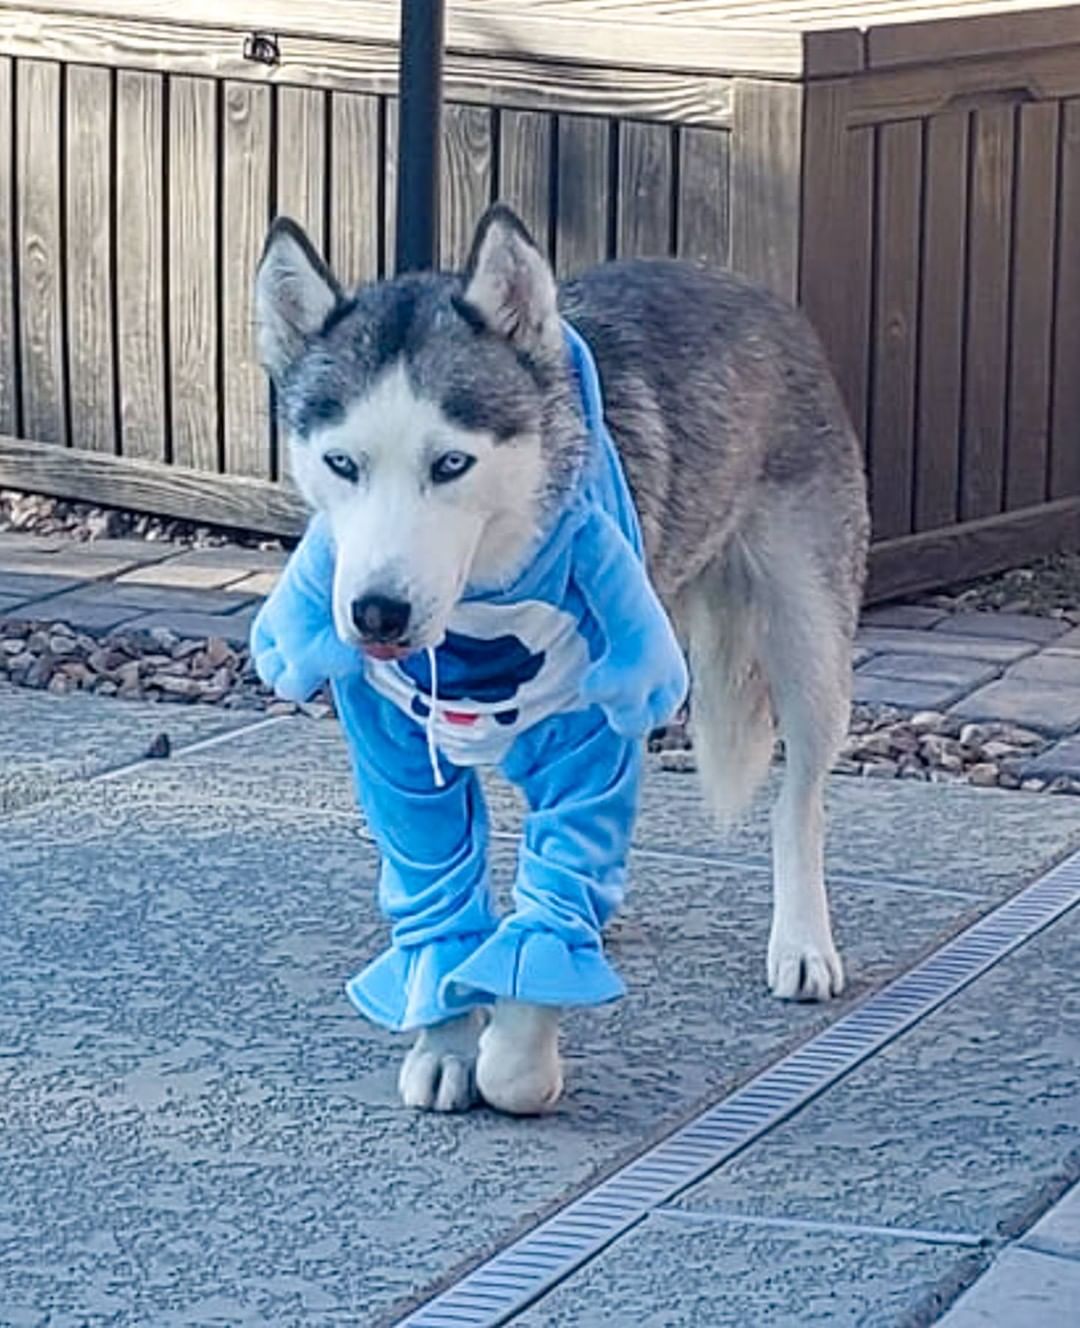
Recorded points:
(294, 293)
(510, 284)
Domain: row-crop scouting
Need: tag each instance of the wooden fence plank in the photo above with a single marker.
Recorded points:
(9, 387)
(140, 276)
(1065, 432)
(837, 239)
(301, 160)
(766, 183)
(856, 263)
(986, 351)
(704, 202)
(941, 339)
(41, 317)
(193, 303)
(389, 168)
(645, 190)
(896, 315)
(466, 182)
(88, 107)
(1035, 197)
(581, 237)
(525, 170)
(245, 215)
(355, 223)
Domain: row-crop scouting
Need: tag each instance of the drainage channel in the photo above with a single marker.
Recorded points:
(511, 1280)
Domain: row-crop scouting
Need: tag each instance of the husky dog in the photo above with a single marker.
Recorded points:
(746, 476)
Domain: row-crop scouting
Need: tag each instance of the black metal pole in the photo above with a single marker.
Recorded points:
(419, 134)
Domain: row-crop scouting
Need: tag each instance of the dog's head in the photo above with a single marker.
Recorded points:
(419, 414)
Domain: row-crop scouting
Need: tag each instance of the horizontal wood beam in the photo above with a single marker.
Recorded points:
(887, 95)
(519, 32)
(965, 36)
(172, 47)
(150, 486)
(914, 563)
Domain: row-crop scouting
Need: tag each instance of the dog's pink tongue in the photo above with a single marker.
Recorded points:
(384, 653)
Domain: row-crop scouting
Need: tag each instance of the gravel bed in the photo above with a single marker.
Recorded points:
(883, 743)
(37, 514)
(1049, 588)
(158, 666)
(155, 665)
(886, 743)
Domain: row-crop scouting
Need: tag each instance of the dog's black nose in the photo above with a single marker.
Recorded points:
(380, 618)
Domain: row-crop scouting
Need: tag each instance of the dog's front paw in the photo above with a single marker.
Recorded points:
(801, 969)
(439, 1070)
(519, 1070)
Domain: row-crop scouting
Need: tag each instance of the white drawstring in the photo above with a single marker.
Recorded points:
(429, 726)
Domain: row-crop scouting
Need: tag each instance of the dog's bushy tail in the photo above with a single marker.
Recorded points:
(731, 715)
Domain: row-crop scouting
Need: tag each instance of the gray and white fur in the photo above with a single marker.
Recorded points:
(747, 477)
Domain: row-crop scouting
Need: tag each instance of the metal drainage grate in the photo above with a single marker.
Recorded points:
(513, 1279)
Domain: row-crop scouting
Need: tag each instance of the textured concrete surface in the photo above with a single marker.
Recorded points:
(882, 1200)
(971, 842)
(197, 1128)
(48, 740)
(967, 1124)
(702, 1274)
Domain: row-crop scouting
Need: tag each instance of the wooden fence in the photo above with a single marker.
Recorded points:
(924, 206)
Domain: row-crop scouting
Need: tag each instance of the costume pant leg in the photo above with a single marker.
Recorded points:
(433, 885)
(582, 783)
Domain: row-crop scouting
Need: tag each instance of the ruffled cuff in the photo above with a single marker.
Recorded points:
(525, 964)
(404, 988)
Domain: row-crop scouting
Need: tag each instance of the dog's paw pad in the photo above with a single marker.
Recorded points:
(439, 1071)
(519, 1070)
(429, 1082)
(805, 973)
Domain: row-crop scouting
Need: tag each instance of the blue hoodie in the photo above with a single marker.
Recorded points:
(556, 677)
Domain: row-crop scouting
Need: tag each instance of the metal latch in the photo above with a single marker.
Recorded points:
(262, 48)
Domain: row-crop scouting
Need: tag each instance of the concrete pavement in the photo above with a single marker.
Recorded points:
(197, 1129)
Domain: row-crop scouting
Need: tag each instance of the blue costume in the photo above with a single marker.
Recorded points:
(555, 678)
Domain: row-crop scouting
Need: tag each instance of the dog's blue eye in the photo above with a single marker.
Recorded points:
(343, 466)
(451, 466)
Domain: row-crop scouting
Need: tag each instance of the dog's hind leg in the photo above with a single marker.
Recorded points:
(770, 644)
(806, 654)
(730, 715)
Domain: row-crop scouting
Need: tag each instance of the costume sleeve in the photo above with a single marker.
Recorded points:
(294, 645)
(641, 679)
